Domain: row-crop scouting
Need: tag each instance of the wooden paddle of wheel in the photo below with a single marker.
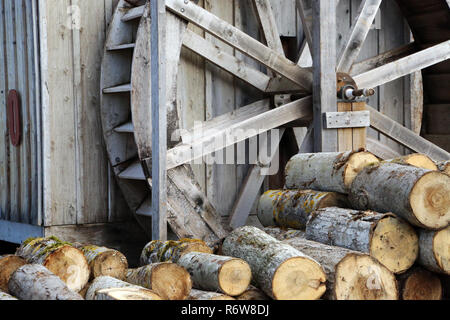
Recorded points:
(126, 95)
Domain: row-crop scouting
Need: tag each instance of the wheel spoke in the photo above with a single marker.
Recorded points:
(305, 9)
(350, 51)
(394, 70)
(242, 42)
(269, 25)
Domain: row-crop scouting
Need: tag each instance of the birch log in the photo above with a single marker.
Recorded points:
(168, 280)
(204, 295)
(8, 265)
(417, 160)
(351, 275)
(444, 167)
(6, 297)
(132, 294)
(210, 272)
(35, 282)
(61, 258)
(418, 195)
(108, 283)
(253, 294)
(284, 234)
(170, 251)
(105, 262)
(435, 250)
(281, 271)
(292, 208)
(333, 172)
(385, 237)
(420, 284)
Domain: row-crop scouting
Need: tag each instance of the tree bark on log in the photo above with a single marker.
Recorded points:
(105, 262)
(281, 271)
(282, 234)
(351, 275)
(8, 265)
(417, 160)
(168, 280)
(107, 283)
(253, 294)
(132, 294)
(211, 272)
(171, 251)
(418, 195)
(444, 167)
(435, 250)
(420, 284)
(332, 172)
(203, 295)
(292, 208)
(385, 237)
(6, 297)
(35, 282)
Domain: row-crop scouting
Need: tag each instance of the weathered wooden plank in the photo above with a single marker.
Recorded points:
(305, 9)
(350, 119)
(381, 150)
(345, 135)
(355, 39)
(133, 13)
(285, 17)
(241, 41)
(324, 87)
(406, 137)
(360, 134)
(269, 24)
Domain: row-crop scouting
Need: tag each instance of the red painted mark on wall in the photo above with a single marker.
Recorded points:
(14, 119)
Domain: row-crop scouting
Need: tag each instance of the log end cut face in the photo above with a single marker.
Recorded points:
(360, 277)
(235, 277)
(421, 161)
(171, 281)
(422, 285)
(8, 265)
(395, 244)
(110, 263)
(71, 266)
(357, 162)
(299, 278)
(126, 294)
(441, 246)
(430, 200)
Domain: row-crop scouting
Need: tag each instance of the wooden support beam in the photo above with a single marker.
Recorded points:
(358, 34)
(269, 25)
(394, 70)
(324, 70)
(405, 137)
(381, 150)
(242, 42)
(159, 120)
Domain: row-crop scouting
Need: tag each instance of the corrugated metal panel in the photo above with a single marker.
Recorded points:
(19, 165)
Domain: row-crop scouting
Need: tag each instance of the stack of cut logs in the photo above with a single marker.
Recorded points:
(347, 227)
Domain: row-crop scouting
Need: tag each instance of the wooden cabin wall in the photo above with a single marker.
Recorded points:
(19, 179)
(206, 92)
(79, 187)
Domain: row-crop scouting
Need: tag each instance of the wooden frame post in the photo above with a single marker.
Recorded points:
(159, 120)
(324, 70)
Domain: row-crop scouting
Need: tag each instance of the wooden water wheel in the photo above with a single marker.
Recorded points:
(126, 98)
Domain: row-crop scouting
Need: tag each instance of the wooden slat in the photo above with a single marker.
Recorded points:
(306, 14)
(415, 62)
(133, 14)
(406, 137)
(133, 172)
(240, 132)
(359, 134)
(4, 141)
(345, 136)
(381, 150)
(125, 128)
(118, 89)
(269, 25)
(119, 47)
(241, 41)
(355, 40)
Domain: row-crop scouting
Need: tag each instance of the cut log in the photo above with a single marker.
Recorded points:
(333, 172)
(171, 251)
(168, 280)
(253, 294)
(435, 250)
(107, 283)
(351, 275)
(203, 295)
(385, 237)
(444, 167)
(6, 297)
(284, 234)
(84, 290)
(416, 160)
(418, 195)
(131, 294)
(292, 208)
(35, 282)
(8, 265)
(210, 272)
(105, 262)
(61, 258)
(282, 272)
(420, 284)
